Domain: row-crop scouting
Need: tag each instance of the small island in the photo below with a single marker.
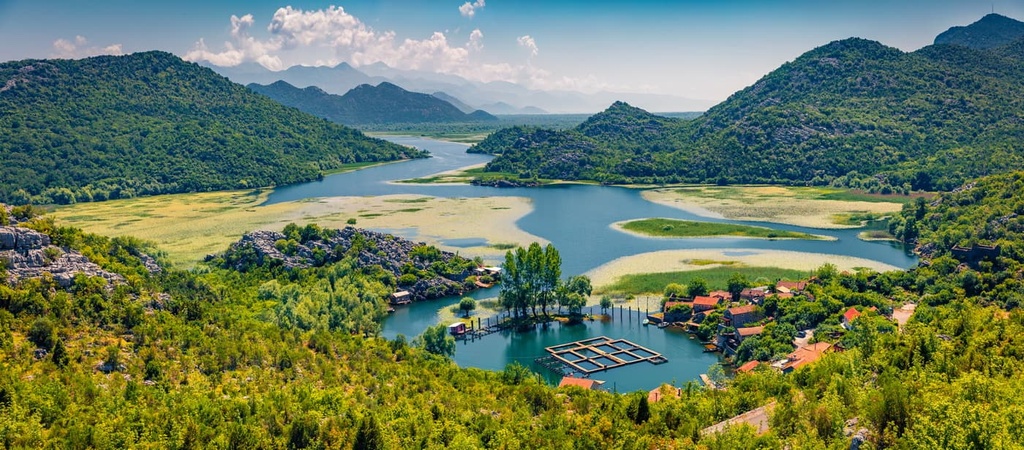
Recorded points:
(674, 228)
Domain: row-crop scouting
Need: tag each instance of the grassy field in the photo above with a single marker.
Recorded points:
(717, 278)
(190, 226)
(814, 207)
(659, 227)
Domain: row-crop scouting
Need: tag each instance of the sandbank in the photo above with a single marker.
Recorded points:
(697, 259)
(788, 205)
(618, 226)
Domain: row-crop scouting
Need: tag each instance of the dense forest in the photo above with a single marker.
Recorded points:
(384, 104)
(149, 123)
(851, 113)
(256, 355)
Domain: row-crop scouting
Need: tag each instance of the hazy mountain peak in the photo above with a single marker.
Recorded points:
(991, 31)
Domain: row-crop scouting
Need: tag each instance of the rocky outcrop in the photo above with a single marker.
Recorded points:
(26, 253)
(391, 253)
(504, 183)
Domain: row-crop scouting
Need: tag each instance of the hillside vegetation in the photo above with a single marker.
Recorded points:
(262, 355)
(150, 123)
(851, 113)
(384, 104)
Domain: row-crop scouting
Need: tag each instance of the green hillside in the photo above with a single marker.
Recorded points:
(150, 123)
(852, 113)
(266, 356)
(383, 104)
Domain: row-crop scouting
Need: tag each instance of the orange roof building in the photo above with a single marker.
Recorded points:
(804, 356)
(658, 393)
(579, 382)
(849, 316)
(749, 366)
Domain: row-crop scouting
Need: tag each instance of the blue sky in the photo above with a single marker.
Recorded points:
(697, 49)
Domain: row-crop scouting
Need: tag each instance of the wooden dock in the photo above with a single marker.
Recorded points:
(597, 354)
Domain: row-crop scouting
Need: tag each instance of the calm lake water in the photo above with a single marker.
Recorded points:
(576, 219)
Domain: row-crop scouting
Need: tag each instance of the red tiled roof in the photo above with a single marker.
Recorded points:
(705, 300)
(722, 294)
(742, 309)
(806, 355)
(851, 314)
(793, 285)
(581, 382)
(783, 295)
(749, 331)
(670, 304)
(749, 366)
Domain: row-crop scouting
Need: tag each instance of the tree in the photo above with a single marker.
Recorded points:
(737, 282)
(436, 340)
(466, 305)
(368, 436)
(606, 302)
(550, 278)
(60, 354)
(697, 286)
(42, 333)
(674, 290)
(826, 273)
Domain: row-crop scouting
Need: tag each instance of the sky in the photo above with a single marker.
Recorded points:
(695, 49)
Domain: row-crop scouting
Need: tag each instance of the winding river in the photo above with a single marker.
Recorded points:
(576, 219)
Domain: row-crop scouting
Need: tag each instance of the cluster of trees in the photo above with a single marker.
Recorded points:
(532, 277)
(149, 123)
(289, 370)
(853, 113)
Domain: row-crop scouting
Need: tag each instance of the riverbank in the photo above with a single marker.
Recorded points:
(812, 207)
(190, 226)
(674, 228)
(700, 259)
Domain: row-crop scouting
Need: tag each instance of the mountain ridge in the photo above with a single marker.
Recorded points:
(151, 123)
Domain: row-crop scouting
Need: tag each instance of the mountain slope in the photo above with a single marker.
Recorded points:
(365, 105)
(150, 123)
(853, 113)
(991, 31)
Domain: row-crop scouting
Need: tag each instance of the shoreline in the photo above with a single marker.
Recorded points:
(666, 261)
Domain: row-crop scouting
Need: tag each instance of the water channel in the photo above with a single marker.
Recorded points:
(576, 219)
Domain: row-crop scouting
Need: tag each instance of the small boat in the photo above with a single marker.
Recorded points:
(663, 325)
(647, 322)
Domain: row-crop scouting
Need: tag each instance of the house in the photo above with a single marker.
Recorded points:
(791, 286)
(803, 356)
(742, 315)
(703, 303)
(975, 254)
(743, 333)
(660, 392)
(754, 294)
(580, 382)
(849, 316)
(401, 298)
(747, 367)
(457, 328)
(724, 295)
(670, 314)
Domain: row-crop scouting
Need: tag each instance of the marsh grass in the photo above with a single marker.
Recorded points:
(659, 227)
(716, 277)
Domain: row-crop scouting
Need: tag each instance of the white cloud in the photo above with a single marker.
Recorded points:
(469, 9)
(528, 43)
(79, 48)
(476, 40)
(243, 47)
(332, 35)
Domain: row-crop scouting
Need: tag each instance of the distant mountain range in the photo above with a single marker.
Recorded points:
(151, 123)
(385, 103)
(495, 97)
(853, 113)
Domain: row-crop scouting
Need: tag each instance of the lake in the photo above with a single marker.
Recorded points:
(576, 219)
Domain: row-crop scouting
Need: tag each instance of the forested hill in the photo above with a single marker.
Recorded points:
(150, 123)
(991, 31)
(852, 113)
(383, 104)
